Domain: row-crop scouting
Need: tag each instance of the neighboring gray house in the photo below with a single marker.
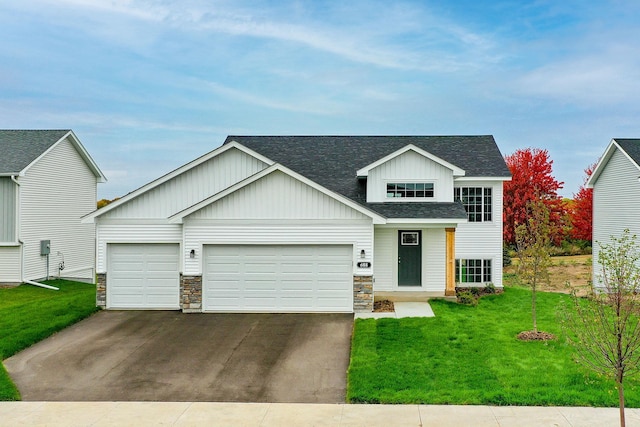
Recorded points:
(616, 193)
(47, 182)
(307, 223)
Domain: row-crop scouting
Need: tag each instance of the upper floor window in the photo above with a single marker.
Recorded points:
(476, 201)
(410, 190)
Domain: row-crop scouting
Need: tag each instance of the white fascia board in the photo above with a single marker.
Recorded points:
(482, 178)
(455, 169)
(81, 150)
(608, 152)
(178, 217)
(159, 181)
(443, 221)
(613, 145)
(86, 157)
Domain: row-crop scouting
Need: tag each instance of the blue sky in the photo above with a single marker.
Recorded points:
(149, 85)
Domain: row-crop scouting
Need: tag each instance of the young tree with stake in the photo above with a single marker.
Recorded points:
(604, 327)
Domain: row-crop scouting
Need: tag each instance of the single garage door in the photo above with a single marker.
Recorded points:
(143, 276)
(278, 278)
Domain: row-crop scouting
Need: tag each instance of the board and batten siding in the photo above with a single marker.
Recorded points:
(616, 204)
(8, 211)
(9, 264)
(409, 167)
(483, 240)
(198, 233)
(132, 233)
(433, 260)
(278, 196)
(55, 192)
(190, 187)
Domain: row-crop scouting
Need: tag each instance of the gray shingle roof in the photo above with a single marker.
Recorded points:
(19, 148)
(332, 161)
(631, 147)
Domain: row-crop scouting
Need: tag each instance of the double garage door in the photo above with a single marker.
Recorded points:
(278, 278)
(236, 278)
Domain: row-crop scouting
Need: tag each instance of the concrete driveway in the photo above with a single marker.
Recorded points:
(171, 356)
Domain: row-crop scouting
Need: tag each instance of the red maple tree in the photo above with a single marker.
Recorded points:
(532, 179)
(582, 209)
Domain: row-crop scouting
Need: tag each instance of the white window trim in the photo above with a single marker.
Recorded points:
(482, 282)
(493, 209)
(411, 199)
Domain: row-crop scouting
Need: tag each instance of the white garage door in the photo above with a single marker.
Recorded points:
(143, 276)
(278, 278)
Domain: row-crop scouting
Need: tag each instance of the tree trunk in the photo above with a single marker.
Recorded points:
(621, 399)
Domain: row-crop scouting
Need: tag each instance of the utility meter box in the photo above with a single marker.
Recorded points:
(45, 247)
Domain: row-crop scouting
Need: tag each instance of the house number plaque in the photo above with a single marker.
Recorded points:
(364, 264)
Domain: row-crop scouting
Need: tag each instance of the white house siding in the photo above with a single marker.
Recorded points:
(410, 167)
(7, 211)
(278, 196)
(616, 203)
(197, 233)
(142, 232)
(433, 259)
(9, 264)
(55, 192)
(483, 240)
(385, 262)
(277, 209)
(191, 187)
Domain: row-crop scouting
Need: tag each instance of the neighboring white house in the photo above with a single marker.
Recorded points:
(616, 194)
(47, 183)
(307, 223)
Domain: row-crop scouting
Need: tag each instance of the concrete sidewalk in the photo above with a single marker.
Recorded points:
(298, 414)
(402, 309)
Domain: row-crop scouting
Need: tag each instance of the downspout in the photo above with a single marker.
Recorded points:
(30, 282)
(42, 285)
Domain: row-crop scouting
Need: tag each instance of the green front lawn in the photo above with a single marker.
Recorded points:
(470, 355)
(29, 314)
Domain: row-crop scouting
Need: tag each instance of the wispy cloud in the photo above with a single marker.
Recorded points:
(394, 36)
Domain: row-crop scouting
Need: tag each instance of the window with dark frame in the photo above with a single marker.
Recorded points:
(473, 271)
(410, 190)
(477, 201)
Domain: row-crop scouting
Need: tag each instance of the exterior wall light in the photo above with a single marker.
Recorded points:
(362, 254)
(192, 254)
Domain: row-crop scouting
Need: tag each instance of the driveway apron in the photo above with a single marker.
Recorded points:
(171, 356)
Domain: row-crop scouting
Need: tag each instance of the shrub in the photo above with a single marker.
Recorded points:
(467, 298)
(490, 288)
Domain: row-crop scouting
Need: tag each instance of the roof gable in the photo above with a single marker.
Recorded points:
(627, 146)
(410, 147)
(22, 148)
(171, 175)
(179, 217)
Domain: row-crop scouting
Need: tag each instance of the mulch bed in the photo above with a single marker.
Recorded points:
(536, 336)
(384, 306)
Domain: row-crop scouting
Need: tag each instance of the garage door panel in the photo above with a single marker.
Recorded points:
(143, 276)
(278, 278)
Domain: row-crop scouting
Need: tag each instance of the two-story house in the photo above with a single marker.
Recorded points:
(48, 181)
(616, 195)
(306, 224)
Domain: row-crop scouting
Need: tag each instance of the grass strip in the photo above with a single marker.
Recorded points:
(29, 314)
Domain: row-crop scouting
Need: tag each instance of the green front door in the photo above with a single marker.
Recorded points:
(409, 258)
